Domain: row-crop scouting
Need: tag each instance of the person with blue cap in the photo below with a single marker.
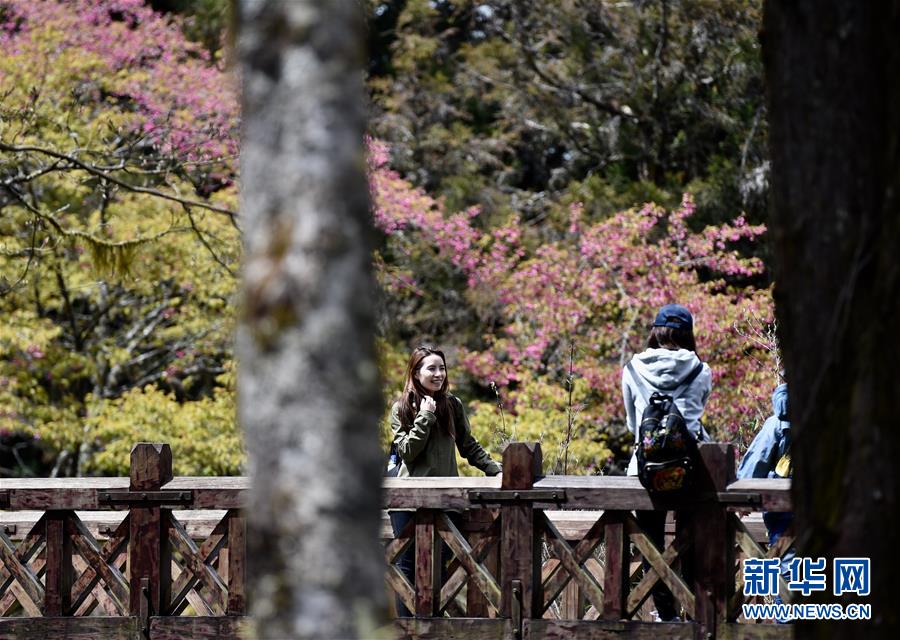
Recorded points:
(669, 365)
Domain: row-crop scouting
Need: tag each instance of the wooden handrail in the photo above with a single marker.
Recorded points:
(87, 522)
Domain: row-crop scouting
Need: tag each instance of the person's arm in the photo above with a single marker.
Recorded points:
(757, 461)
(628, 399)
(410, 443)
(707, 385)
(468, 446)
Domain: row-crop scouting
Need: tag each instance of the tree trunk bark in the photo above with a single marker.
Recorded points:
(308, 390)
(834, 109)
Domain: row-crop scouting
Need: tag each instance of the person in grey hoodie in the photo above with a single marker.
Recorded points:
(669, 365)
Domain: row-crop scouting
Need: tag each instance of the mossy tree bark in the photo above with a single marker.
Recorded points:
(834, 109)
(308, 388)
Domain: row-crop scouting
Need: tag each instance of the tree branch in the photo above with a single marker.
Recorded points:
(93, 170)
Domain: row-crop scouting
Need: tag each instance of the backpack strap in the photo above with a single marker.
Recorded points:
(687, 381)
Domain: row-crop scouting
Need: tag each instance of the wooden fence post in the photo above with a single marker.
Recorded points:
(237, 556)
(615, 577)
(428, 565)
(58, 580)
(712, 550)
(519, 549)
(149, 555)
(477, 521)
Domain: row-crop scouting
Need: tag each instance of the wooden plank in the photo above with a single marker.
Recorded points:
(615, 581)
(92, 628)
(212, 483)
(190, 597)
(642, 591)
(454, 629)
(237, 555)
(672, 580)
(105, 601)
(555, 579)
(572, 564)
(113, 552)
(571, 602)
(14, 594)
(51, 485)
(216, 593)
(615, 493)
(522, 465)
(198, 627)
(186, 581)
(94, 556)
(775, 493)
(401, 543)
(44, 494)
(31, 586)
(455, 498)
(98, 593)
(712, 561)
(220, 498)
(483, 526)
(477, 572)
(428, 565)
(102, 524)
(734, 631)
(520, 558)
(148, 545)
(58, 576)
(221, 565)
(28, 548)
(401, 586)
(477, 604)
(17, 595)
(750, 548)
(199, 603)
(607, 630)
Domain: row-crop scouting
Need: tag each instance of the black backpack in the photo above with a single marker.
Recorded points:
(666, 449)
(393, 464)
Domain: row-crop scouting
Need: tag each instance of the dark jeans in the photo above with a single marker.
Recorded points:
(406, 561)
(777, 523)
(654, 523)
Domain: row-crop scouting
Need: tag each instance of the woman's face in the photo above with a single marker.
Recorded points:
(432, 373)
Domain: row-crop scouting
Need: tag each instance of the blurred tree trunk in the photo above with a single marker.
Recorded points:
(833, 73)
(308, 388)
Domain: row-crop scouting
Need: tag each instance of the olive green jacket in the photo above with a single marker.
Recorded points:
(427, 451)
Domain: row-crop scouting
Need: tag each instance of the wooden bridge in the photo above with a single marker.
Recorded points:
(528, 577)
(534, 558)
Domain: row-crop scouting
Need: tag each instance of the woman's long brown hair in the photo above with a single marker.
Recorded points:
(413, 392)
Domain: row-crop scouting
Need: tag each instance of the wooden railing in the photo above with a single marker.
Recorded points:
(536, 558)
(525, 578)
(120, 558)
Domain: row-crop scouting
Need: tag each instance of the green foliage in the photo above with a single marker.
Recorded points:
(542, 415)
(203, 434)
(117, 248)
(630, 99)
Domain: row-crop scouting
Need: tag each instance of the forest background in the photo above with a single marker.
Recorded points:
(544, 175)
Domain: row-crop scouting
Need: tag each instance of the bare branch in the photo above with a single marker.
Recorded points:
(94, 170)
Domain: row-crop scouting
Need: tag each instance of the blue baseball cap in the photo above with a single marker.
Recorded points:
(674, 316)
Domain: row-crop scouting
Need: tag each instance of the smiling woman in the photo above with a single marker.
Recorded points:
(429, 425)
